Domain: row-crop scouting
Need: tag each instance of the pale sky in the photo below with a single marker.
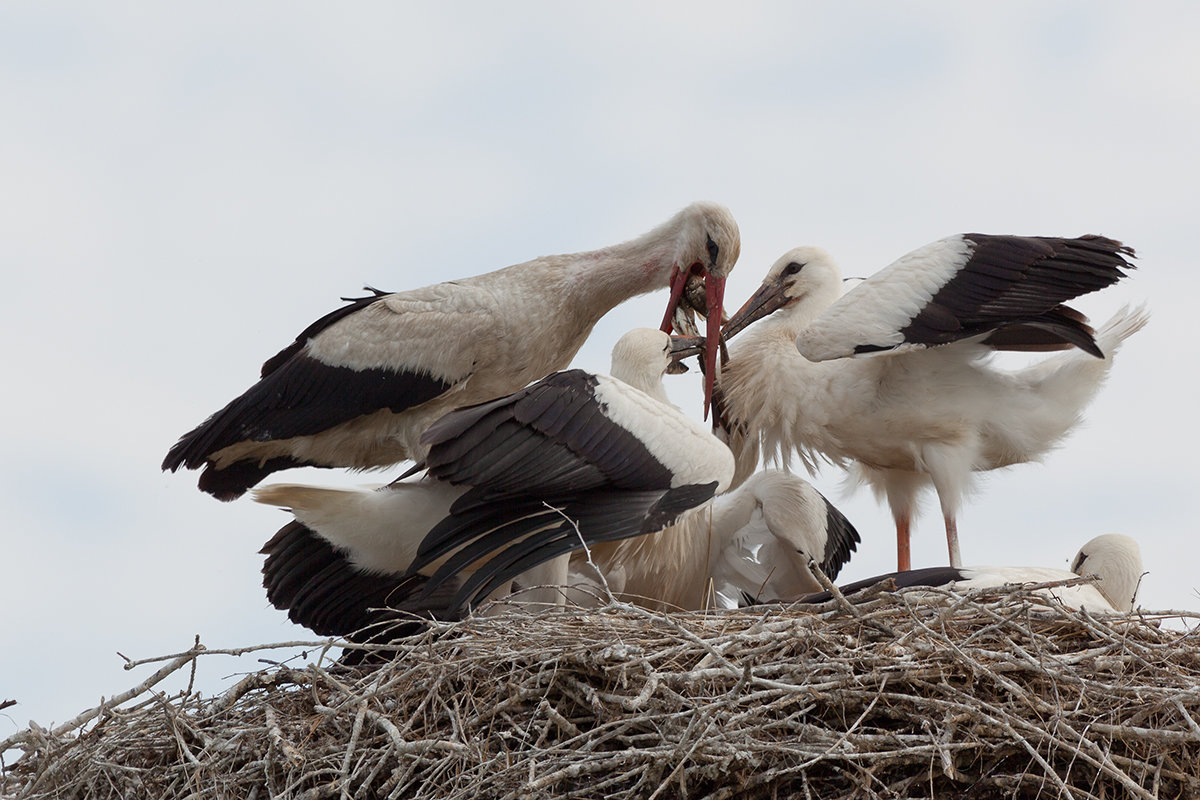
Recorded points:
(182, 190)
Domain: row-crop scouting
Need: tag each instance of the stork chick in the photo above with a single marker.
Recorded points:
(925, 407)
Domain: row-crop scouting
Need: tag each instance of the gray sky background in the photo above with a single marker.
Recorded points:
(184, 189)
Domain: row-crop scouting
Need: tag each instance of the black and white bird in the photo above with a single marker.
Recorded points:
(359, 386)
(513, 487)
(754, 541)
(1114, 559)
(927, 408)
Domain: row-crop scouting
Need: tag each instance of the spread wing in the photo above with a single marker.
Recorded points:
(1008, 289)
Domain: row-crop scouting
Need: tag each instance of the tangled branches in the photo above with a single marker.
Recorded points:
(987, 694)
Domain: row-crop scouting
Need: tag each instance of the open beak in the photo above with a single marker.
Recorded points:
(683, 347)
(714, 297)
(679, 280)
(769, 298)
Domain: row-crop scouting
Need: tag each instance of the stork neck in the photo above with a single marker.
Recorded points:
(642, 377)
(800, 314)
(1119, 574)
(731, 512)
(614, 274)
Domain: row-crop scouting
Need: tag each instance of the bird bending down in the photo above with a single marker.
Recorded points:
(756, 541)
(927, 407)
(512, 486)
(1114, 559)
(359, 386)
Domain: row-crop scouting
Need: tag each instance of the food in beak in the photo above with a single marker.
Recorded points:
(684, 347)
(685, 291)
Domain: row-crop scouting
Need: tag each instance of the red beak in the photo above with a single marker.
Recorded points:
(678, 284)
(714, 295)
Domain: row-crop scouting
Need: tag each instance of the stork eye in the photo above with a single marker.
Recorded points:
(792, 268)
(713, 250)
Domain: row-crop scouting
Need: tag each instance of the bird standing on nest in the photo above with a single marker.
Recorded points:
(925, 407)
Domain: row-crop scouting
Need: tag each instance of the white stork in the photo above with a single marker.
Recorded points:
(359, 386)
(754, 541)
(927, 408)
(508, 481)
(1114, 559)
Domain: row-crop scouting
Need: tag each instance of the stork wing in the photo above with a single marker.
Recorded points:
(841, 539)
(1009, 290)
(378, 352)
(555, 457)
(322, 590)
(514, 543)
(552, 437)
(926, 576)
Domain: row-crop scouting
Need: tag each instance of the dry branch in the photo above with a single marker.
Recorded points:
(988, 694)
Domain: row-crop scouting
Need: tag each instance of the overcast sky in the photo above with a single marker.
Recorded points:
(182, 190)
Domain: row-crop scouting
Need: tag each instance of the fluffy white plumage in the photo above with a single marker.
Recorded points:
(915, 414)
(755, 541)
(1114, 559)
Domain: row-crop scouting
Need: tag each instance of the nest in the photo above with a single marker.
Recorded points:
(986, 694)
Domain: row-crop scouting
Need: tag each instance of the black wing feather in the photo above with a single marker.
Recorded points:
(550, 443)
(560, 438)
(1015, 286)
(927, 576)
(593, 518)
(297, 396)
(320, 589)
(841, 539)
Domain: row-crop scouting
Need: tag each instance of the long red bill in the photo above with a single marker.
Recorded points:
(714, 295)
(679, 280)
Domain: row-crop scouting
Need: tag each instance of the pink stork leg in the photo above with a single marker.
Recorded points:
(952, 541)
(903, 557)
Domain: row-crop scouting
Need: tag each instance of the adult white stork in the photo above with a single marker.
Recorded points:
(1114, 559)
(928, 408)
(512, 485)
(754, 541)
(359, 386)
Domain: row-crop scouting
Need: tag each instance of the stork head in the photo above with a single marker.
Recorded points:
(709, 244)
(642, 356)
(801, 277)
(1117, 560)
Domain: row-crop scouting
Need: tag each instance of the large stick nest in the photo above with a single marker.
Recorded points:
(987, 694)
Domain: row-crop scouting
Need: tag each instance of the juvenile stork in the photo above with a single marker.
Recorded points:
(512, 486)
(754, 541)
(1115, 560)
(359, 386)
(927, 408)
